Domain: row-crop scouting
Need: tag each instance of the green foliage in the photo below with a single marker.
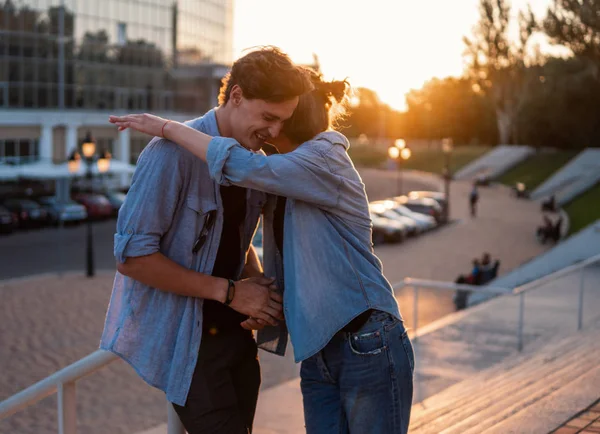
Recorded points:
(433, 160)
(584, 209)
(537, 168)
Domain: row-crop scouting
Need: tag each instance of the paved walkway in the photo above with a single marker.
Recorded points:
(49, 322)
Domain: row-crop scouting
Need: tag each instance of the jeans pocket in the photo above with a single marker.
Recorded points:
(367, 343)
(408, 349)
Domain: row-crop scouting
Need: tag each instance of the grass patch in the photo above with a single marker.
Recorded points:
(433, 160)
(426, 160)
(364, 156)
(537, 168)
(584, 209)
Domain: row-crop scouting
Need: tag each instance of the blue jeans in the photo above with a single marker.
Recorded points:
(361, 383)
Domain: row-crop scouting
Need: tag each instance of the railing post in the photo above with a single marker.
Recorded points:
(521, 321)
(415, 311)
(67, 408)
(581, 290)
(174, 425)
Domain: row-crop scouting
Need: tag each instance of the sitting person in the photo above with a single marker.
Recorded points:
(549, 231)
(462, 295)
(549, 204)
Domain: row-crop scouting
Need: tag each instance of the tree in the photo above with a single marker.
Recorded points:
(450, 108)
(563, 110)
(497, 66)
(575, 24)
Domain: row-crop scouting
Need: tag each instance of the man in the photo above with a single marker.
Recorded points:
(178, 302)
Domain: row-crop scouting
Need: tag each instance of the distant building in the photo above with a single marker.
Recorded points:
(66, 64)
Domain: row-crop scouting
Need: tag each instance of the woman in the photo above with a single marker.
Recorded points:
(343, 319)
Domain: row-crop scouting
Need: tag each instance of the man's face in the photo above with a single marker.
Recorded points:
(255, 121)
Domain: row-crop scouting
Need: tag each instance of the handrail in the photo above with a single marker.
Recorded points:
(437, 284)
(555, 275)
(49, 385)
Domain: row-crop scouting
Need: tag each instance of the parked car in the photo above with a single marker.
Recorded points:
(422, 205)
(392, 208)
(8, 221)
(387, 230)
(65, 212)
(410, 227)
(96, 205)
(439, 197)
(29, 213)
(116, 199)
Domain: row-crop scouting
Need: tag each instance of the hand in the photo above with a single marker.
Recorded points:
(257, 298)
(254, 324)
(145, 123)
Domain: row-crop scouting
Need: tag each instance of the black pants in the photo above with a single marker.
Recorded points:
(224, 390)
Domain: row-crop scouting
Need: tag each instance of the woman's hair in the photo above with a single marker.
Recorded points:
(318, 110)
(268, 74)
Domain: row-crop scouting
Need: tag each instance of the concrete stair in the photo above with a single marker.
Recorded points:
(496, 162)
(532, 392)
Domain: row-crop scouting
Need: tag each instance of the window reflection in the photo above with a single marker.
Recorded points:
(116, 54)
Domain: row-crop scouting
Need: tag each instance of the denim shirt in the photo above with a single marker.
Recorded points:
(171, 194)
(331, 272)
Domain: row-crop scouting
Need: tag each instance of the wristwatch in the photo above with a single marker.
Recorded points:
(230, 292)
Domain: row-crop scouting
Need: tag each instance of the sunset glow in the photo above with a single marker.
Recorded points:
(390, 46)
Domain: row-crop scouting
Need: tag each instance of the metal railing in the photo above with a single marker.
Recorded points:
(64, 381)
(520, 291)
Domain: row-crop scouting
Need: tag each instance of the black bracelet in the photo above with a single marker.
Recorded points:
(230, 292)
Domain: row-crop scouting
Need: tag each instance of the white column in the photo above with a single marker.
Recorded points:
(45, 144)
(70, 140)
(124, 155)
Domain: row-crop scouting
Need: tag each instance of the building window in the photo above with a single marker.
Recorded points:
(19, 151)
(121, 34)
(136, 147)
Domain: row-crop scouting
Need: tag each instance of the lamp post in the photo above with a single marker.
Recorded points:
(399, 152)
(102, 163)
(447, 147)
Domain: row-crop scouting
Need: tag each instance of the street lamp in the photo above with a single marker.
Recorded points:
(102, 162)
(447, 147)
(399, 152)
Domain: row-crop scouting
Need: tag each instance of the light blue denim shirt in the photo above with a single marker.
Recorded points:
(330, 270)
(159, 332)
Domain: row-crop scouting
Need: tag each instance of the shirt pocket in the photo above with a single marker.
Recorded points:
(200, 221)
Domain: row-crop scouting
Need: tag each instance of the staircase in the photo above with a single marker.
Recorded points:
(531, 393)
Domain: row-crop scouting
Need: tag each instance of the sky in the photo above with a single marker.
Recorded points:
(390, 46)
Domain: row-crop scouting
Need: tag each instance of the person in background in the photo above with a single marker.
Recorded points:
(473, 199)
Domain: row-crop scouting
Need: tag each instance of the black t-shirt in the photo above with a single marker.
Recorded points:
(217, 316)
(278, 220)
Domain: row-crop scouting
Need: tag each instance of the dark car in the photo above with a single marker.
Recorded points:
(439, 197)
(28, 212)
(116, 199)
(8, 221)
(96, 205)
(422, 205)
(62, 211)
(387, 230)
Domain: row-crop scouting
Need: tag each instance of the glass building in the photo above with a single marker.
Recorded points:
(65, 64)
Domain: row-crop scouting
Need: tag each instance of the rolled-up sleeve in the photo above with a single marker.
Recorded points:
(150, 205)
(302, 174)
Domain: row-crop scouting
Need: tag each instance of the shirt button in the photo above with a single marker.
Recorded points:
(130, 231)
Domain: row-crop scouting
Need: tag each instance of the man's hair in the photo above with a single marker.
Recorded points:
(268, 74)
